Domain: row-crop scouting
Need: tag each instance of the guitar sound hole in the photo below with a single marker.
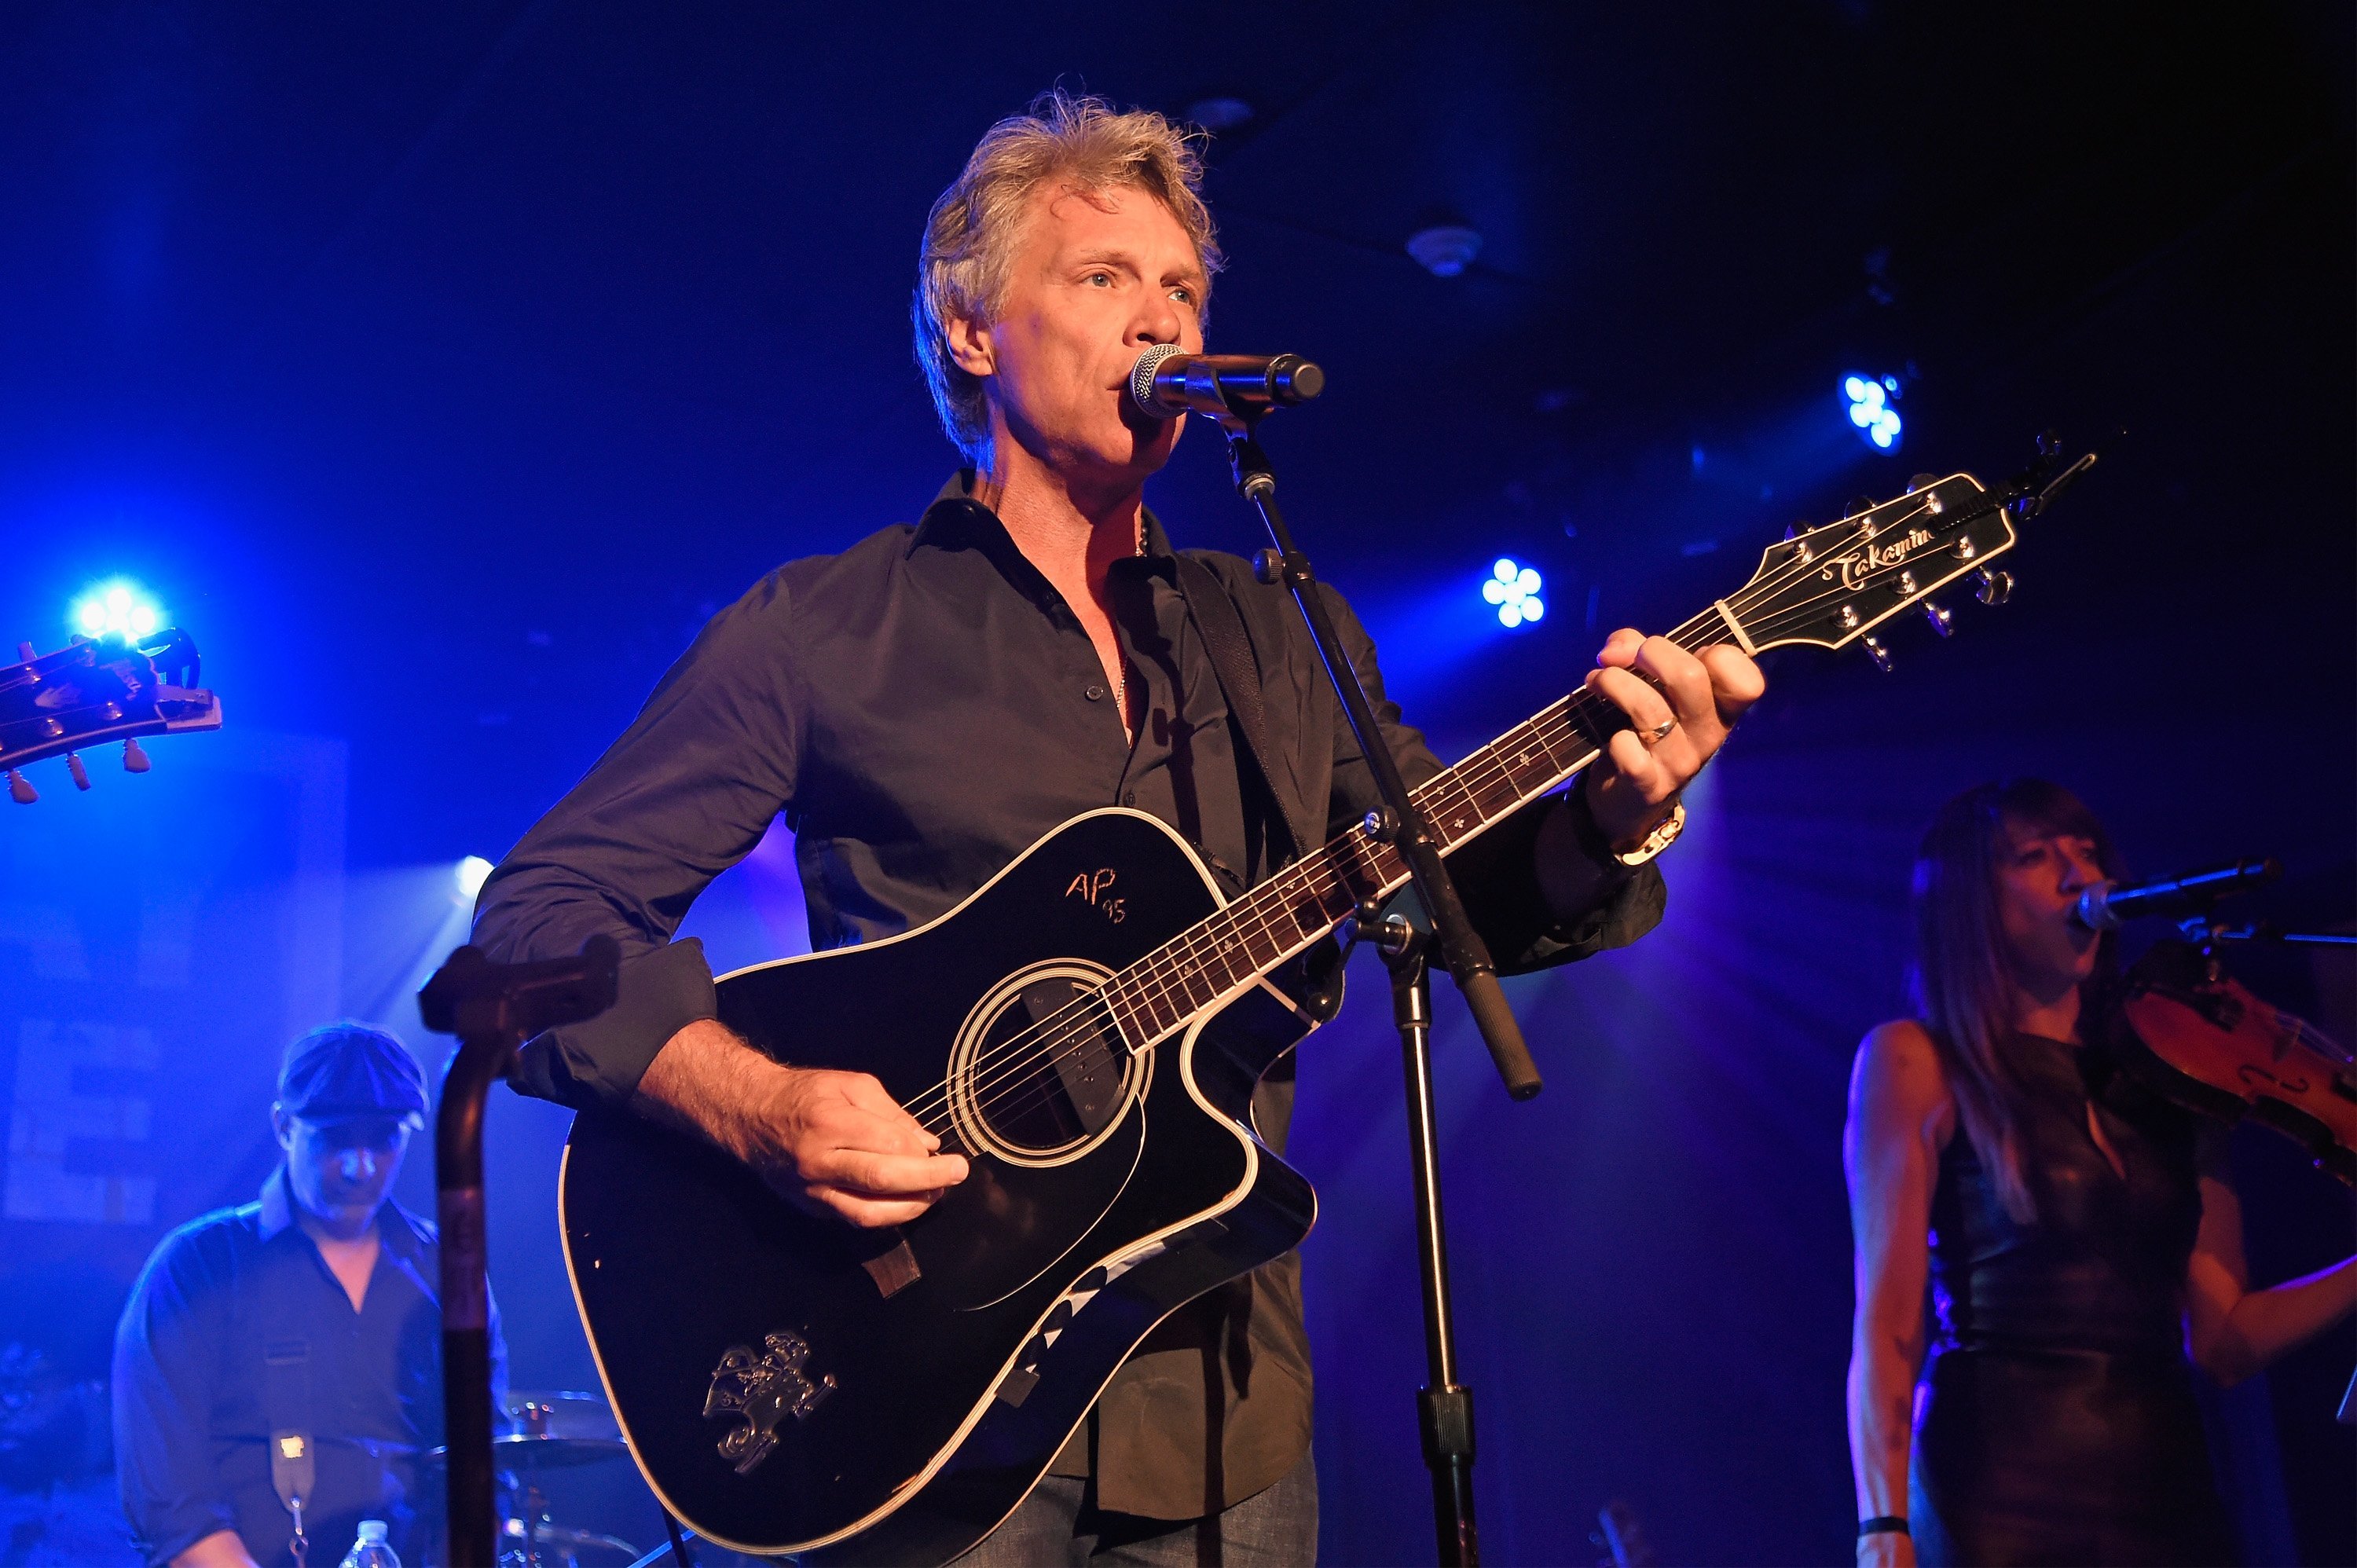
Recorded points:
(1050, 1074)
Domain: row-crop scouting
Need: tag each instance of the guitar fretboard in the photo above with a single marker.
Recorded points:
(1216, 958)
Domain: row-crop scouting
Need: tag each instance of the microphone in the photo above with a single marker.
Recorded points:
(2104, 909)
(1166, 383)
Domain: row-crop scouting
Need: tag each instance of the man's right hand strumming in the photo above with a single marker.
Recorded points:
(833, 1143)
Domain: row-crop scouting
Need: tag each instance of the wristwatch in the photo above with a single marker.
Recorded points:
(1665, 833)
(1612, 856)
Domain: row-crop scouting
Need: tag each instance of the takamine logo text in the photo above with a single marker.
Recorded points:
(1860, 564)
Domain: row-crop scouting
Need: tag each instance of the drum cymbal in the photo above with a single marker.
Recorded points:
(559, 1413)
(523, 1451)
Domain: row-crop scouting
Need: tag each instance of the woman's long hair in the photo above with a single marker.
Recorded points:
(1961, 986)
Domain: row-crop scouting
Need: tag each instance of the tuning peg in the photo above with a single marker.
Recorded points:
(1942, 621)
(134, 760)
(74, 766)
(20, 789)
(1992, 587)
(1879, 654)
(25, 653)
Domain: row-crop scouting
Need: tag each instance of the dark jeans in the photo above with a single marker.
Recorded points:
(1060, 1526)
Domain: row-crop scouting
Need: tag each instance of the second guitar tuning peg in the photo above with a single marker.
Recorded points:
(1992, 587)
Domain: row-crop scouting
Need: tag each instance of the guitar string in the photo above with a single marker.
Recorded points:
(1044, 1090)
(989, 1089)
(990, 1072)
(1256, 905)
(1481, 769)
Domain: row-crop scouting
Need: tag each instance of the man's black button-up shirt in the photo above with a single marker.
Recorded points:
(923, 708)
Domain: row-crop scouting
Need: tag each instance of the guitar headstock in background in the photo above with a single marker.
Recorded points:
(95, 690)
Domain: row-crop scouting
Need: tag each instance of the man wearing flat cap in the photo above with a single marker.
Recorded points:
(277, 1371)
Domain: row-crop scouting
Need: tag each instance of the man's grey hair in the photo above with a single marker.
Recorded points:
(972, 233)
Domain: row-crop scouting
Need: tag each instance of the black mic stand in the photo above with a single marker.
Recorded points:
(1444, 1407)
(1462, 951)
(492, 1008)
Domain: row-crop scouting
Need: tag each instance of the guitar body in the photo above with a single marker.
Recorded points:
(787, 1384)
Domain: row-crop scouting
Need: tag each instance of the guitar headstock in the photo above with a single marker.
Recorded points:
(95, 690)
(1831, 585)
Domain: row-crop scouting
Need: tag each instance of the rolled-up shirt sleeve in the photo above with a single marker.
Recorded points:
(166, 1348)
(685, 793)
(1496, 875)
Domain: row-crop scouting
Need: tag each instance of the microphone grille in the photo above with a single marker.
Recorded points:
(1141, 380)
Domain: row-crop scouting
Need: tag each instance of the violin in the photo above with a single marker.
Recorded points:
(2202, 1040)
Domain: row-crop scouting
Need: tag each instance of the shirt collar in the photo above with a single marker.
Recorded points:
(396, 1224)
(955, 518)
(277, 1205)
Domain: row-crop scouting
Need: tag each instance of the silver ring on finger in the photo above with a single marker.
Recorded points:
(1658, 734)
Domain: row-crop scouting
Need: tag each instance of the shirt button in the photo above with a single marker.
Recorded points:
(1096, 693)
(1129, 796)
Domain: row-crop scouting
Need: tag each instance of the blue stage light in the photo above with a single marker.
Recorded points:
(1514, 588)
(119, 608)
(1869, 409)
(472, 873)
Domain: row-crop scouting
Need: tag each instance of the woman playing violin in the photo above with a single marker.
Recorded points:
(2079, 1235)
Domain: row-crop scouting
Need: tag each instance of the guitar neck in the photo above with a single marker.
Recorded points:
(1213, 960)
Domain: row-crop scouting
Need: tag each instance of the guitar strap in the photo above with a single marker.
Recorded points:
(286, 1406)
(1238, 669)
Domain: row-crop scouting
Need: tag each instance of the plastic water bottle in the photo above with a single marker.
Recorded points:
(372, 1550)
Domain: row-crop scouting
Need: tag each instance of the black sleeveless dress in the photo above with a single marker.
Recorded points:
(2056, 1423)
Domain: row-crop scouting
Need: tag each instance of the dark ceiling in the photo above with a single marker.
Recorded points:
(442, 365)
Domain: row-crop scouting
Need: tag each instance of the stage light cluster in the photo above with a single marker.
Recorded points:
(1869, 409)
(119, 608)
(1515, 589)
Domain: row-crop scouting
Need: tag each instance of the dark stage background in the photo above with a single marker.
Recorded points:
(442, 367)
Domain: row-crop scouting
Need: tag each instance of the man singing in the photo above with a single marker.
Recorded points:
(926, 704)
(289, 1352)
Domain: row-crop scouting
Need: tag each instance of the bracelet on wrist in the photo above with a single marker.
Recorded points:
(1883, 1524)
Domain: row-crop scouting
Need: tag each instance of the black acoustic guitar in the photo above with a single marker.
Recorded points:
(1087, 1028)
